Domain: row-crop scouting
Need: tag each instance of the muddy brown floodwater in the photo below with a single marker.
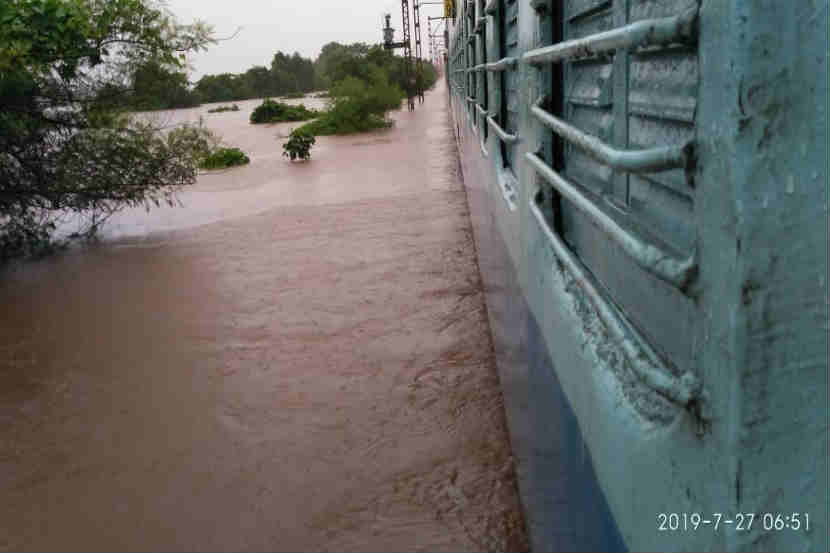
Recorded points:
(297, 359)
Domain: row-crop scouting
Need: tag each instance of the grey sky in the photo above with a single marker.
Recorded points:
(302, 25)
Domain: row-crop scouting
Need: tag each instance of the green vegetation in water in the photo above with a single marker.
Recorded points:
(357, 106)
(194, 139)
(365, 82)
(338, 61)
(299, 145)
(204, 147)
(289, 74)
(274, 112)
(72, 70)
(293, 95)
(223, 158)
(221, 109)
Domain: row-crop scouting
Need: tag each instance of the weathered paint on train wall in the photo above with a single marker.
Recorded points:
(600, 454)
(565, 509)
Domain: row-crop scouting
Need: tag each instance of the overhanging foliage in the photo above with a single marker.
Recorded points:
(63, 145)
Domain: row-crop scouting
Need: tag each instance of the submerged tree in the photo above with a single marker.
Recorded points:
(356, 105)
(64, 146)
(299, 145)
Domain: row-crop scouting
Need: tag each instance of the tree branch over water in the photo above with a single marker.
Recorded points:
(66, 144)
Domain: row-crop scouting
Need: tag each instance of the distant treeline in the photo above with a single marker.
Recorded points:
(156, 87)
(287, 74)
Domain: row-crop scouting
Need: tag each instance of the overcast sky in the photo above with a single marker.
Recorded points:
(303, 26)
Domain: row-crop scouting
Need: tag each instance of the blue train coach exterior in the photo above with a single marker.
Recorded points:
(648, 187)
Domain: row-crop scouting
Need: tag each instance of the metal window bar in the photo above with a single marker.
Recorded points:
(503, 135)
(666, 30)
(677, 272)
(679, 389)
(502, 65)
(483, 142)
(635, 161)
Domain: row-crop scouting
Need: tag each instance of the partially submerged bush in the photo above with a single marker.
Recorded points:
(274, 112)
(299, 145)
(195, 140)
(294, 95)
(357, 106)
(203, 147)
(221, 109)
(334, 122)
(223, 158)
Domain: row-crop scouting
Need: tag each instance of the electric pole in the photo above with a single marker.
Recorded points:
(406, 44)
(419, 71)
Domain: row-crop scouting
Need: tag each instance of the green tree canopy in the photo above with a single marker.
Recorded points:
(338, 61)
(293, 73)
(63, 146)
(260, 81)
(287, 74)
(155, 87)
(221, 88)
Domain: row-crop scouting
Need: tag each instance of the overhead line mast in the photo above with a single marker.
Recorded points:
(406, 44)
(419, 71)
(407, 40)
(414, 76)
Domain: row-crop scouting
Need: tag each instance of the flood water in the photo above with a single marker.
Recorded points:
(296, 359)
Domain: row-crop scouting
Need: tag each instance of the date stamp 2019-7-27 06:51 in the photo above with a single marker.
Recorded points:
(740, 522)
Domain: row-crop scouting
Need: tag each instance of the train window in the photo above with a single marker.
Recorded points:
(629, 100)
(472, 76)
(483, 78)
(509, 78)
(550, 31)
